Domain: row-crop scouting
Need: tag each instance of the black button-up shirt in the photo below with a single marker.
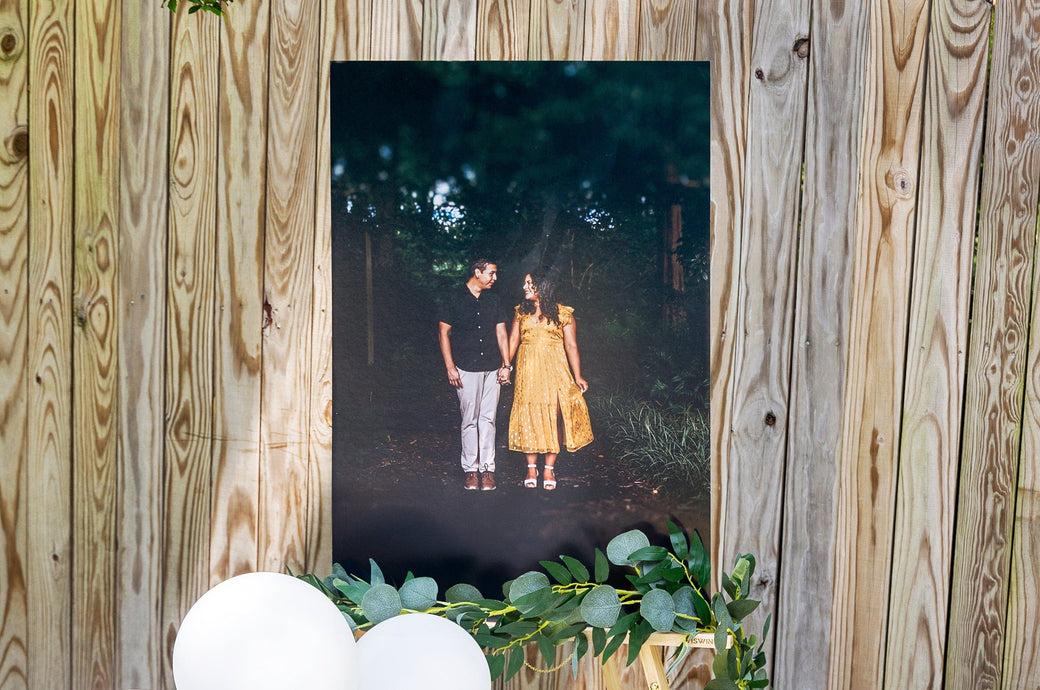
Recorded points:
(474, 346)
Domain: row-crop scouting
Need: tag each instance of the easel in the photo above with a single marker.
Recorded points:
(650, 659)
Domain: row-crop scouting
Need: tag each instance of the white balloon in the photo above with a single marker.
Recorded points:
(264, 631)
(420, 650)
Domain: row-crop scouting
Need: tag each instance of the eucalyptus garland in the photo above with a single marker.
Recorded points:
(668, 593)
(214, 6)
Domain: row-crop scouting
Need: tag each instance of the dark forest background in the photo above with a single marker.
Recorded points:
(599, 170)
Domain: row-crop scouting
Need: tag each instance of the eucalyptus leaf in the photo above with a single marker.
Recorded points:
(461, 593)
(577, 568)
(620, 547)
(649, 554)
(377, 574)
(496, 664)
(600, 606)
(682, 601)
(741, 608)
(601, 568)
(535, 603)
(381, 602)
(531, 581)
(658, 609)
(721, 684)
(547, 649)
(678, 540)
(558, 572)
(599, 640)
(637, 637)
(419, 594)
(516, 662)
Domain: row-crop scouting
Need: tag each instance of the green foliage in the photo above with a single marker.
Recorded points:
(562, 605)
(213, 6)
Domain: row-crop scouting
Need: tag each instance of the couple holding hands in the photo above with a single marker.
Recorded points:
(548, 403)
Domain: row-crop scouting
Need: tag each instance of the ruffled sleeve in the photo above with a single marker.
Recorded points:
(566, 314)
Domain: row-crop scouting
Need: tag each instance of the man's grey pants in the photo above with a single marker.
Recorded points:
(478, 402)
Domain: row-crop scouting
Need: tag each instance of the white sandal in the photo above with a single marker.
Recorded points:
(531, 482)
(549, 484)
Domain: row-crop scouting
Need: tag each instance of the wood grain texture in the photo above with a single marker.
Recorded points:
(95, 401)
(764, 315)
(821, 333)
(938, 337)
(1021, 659)
(241, 176)
(354, 33)
(592, 675)
(611, 30)
(49, 475)
(730, 69)
(668, 29)
(319, 488)
(397, 30)
(502, 27)
(189, 320)
(14, 347)
(557, 30)
(889, 148)
(144, 146)
(994, 425)
(449, 30)
(288, 286)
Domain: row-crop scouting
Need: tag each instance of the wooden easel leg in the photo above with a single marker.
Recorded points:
(653, 668)
(611, 677)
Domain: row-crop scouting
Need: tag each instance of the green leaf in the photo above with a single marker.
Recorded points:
(547, 650)
(577, 568)
(624, 624)
(658, 609)
(531, 581)
(722, 617)
(721, 684)
(381, 602)
(702, 608)
(559, 573)
(535, 603)
(462, 592)
(730, 587)
(741, 608)
(612, 646)
(699, 561)
(619, 548)
(599, 640)
(600, 606)
(377, 574)
(516, 628)
(352, 591)
(636, 638)
(496, 664)
(419, 594)
(581, 645)
(602, 568)
(679, 544)
(649, 554)
(516, 662)
(490, 641)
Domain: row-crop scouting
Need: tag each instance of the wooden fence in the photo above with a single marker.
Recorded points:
(165, 341)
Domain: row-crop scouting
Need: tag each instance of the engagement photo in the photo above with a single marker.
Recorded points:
(520, 312)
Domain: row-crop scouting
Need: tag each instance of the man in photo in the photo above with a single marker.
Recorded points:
(475, 347)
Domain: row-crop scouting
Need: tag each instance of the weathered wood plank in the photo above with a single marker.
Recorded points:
(939, 315)
(14, 346)
(288, 286)
(49, 475)
(668, 29)
(764, 314)
(889, 147)
(994, 425)
(397, 30)
(1021, 658)
(240, 176)
(354, 33)
(189, 319)
(822, 311)
(612, 29)
(449, 30)
(95, 384)
(144, 147)
(557, 30)
(502, 28)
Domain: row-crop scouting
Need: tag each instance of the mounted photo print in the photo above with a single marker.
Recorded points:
(520, 312)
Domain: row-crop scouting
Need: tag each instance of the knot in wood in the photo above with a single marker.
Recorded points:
(801, 47)
(770, 418)
(9, 43)
(17, 142)
(759, 74)
(900, 182)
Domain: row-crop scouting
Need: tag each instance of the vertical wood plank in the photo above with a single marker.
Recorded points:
(319, 490)
(764, 315)
(557, 30)
(1021, 658)
(95, 340)
(189, 319)
(14, 331)
(612, 29)
(449, 30)
(49, 480)
(397, 30)
(592, 675)
(240, 177)
(288, 285)
(938, 337)
(668, 29)
(144, 146)
(889, 152)
(353, 34)
(838, 48)
(502, 27)
(994, 425)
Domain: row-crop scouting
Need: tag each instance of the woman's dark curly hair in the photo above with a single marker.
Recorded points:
(544, 280)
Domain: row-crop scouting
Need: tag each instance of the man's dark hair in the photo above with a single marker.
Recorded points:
(479, 265)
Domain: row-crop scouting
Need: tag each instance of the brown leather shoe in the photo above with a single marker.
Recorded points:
(487, 481)
(472, 483)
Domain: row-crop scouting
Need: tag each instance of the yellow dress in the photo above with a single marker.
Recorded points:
(545, 390)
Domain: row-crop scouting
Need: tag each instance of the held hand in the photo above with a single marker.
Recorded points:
(581, 383)
(453, 377)
(503, 376)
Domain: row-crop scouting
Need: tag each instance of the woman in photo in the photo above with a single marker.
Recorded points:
(548, 399)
